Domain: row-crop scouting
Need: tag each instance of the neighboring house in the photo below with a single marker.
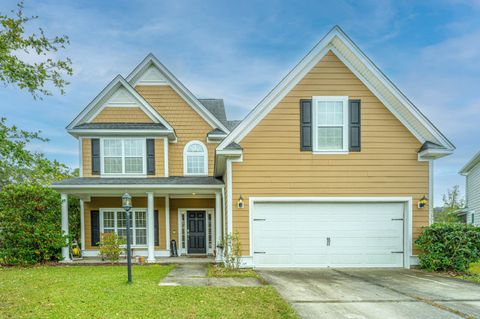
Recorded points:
(471, 213)
(327, 170)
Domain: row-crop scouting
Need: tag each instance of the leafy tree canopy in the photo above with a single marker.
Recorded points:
(15, 43)
(19, 165)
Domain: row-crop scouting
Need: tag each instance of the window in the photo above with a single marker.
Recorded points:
(330, 123)
(115, 220)
(123, 156)
(195, 159)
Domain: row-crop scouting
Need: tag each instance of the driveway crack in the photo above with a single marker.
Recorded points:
(430, 302)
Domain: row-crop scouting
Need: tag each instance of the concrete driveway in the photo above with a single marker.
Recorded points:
(375, 293)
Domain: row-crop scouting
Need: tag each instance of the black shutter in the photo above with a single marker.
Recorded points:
(354, 125)
(95, 223)
(95, 156)
(305, 125)
(155, 227)
(150, 156)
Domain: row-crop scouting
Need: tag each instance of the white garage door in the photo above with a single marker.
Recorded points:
(327, 234)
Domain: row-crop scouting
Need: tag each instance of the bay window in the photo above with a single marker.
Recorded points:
(123, 156)
(330, 123)
(115, 220)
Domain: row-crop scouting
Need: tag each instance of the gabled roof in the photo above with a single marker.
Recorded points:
(348, 52)
(169, 79)
(471, 164)
(100, 102)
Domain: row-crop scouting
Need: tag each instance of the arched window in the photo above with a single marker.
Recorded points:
(195, 159)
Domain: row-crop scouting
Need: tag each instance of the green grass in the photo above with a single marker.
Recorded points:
(473, 272)
(102, 292)
(219, 270)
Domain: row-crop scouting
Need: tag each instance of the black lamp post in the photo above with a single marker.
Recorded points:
(127, 205)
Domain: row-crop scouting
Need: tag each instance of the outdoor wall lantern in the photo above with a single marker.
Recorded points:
(240, 202)
(422, 202)
(127, 205)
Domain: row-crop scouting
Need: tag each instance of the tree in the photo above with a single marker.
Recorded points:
(19, 165)
(32, 76)
(452, 202)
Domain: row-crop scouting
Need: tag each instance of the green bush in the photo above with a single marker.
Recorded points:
(30, 224)
(449, 246)
(110, 246)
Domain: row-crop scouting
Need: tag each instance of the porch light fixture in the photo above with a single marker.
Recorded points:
(127, 205)
(240, 202)
(422, 202)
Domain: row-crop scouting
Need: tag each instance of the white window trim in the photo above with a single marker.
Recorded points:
(123, 174)
(205, 163)
(344, 100)
(116, 210)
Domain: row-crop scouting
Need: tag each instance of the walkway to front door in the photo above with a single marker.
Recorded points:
(196, 222)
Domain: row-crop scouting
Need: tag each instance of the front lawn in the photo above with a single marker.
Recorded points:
(102, 292)
(473, 273)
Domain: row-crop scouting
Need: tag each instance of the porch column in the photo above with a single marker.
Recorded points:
(151, 229)
(218, 225)
(65, 250)
(82, 226)
(167, 222)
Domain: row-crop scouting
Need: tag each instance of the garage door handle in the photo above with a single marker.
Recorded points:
(259, 219)
(259, 252)
(397, 218)
(397, 252)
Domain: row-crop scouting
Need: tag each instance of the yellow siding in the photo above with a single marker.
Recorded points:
(87, 158)
(188, 124)
(159, 158)
(116, 202)
(122, 115)
(274, 166)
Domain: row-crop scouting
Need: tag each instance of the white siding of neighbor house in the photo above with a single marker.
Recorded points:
(473, 194)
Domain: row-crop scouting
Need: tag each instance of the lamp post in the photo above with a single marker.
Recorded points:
(127, 205)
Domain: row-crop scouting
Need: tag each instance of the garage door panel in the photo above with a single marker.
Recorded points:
(295, 234)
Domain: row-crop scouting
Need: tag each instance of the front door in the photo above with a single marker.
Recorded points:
(196, 232)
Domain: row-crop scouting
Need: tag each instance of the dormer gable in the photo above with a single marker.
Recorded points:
(118, 103)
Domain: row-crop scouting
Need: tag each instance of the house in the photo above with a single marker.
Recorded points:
(471, 213)
(329, 169)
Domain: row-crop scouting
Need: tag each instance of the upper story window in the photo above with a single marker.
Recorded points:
(330, 123)
(123, 156)
(195, 159)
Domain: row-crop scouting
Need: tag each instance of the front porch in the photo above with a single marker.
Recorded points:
(189, 215)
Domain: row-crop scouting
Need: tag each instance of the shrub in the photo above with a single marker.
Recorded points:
(110, 246)
(450, 246)
(30, 224)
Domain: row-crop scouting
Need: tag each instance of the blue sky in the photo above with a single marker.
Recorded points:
(239, 50)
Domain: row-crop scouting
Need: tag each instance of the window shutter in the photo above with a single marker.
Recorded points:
(95, 223)
(95, 156)
(354, 125)
(305, 125)
(150, 156)
(155, 227)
